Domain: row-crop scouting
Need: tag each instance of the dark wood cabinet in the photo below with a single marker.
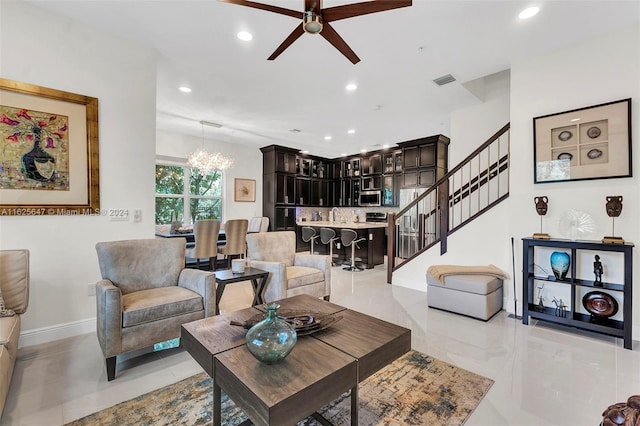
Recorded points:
(424, 161)
(578, 284)
(284, 188)
(391, 189)
(350, 192)
(303, 192)
(372, 165)
(320, 193)
(284, 219)
(350, 168)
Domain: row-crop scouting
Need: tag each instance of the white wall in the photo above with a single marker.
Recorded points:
(247, 165)
(52, 51)
(559, 81)
(598, 71)
(485, 240)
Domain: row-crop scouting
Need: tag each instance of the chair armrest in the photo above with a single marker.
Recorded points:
(276, 286)
(203, 283)
(321, 262)
(109, 318)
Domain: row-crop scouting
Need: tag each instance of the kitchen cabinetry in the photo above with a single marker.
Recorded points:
(285, 188)
(320, 192)
(372, 165)
(391, 189)
(577, 283)
(279, 168)
(350, 168)
(424, 161)
(303, 192)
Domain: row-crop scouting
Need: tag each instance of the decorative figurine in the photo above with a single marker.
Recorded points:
(614, 208)
(540, 306)
(597, 270)
(541, 207)
(561, 308)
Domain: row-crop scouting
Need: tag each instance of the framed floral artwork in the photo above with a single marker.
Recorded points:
(586, 143)
(49, 163)
(244, 190)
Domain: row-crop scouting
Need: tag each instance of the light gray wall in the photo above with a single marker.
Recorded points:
(53, 51)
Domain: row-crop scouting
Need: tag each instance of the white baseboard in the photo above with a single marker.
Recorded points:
(56, 332)
(412, 284)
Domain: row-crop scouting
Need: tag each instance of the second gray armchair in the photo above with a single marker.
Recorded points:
(290, 273)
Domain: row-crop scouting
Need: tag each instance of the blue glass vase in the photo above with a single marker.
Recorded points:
(271, 339)
(560, 262)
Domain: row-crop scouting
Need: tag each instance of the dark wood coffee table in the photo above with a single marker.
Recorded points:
(319, 369)
(258, 279)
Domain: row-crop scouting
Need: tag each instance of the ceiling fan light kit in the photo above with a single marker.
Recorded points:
(312, 22)
(315, 20)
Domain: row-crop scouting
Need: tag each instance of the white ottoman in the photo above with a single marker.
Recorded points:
(478, 296)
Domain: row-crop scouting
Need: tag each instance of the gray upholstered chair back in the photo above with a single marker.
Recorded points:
(277, 246)
(235, 233)
(14, 279)
(134, 265)
(258, 224)
(206, 236)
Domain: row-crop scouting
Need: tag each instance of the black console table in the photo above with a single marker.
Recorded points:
(572, 317)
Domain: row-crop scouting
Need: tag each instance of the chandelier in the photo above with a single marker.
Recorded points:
(205, 162)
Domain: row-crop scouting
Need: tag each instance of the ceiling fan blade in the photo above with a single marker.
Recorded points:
(295, 34)
(267, 7)
(364, 8)
(334, 38)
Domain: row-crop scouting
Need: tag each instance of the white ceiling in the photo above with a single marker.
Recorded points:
(259, 102)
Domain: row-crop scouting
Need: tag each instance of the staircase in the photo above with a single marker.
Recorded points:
(468, 190)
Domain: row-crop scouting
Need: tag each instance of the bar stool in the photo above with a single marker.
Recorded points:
(349, 237)
(328, 236)
(309, 235)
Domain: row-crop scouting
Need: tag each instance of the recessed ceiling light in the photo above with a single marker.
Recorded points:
(344, 154)
(305, 151)
(245, 36)
(385, 146)
(575, 119)
(351, 131)
(327, 138)
(529, 12)
(351, 87)
(184, 89)
(363, 150)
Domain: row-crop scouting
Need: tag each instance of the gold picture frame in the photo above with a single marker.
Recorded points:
(62, 128)
(244, 190)
(581, 144)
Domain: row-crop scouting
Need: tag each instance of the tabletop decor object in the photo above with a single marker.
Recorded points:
(560, 262)
(304, 323)
(614, 208)
(271, 339)
(576, 224)
(541, 207)
(600, 304)
(597, 270)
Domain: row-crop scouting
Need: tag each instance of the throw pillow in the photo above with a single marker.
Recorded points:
(4, 312)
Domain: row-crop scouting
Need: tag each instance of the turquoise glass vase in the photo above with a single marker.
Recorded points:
(560, 262)
(271, 339)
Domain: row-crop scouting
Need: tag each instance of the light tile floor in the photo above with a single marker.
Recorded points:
(544, 374)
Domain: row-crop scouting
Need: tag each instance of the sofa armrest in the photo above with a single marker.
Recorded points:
(203, 283)
(109, 318)
(276, 286)
(321, 262)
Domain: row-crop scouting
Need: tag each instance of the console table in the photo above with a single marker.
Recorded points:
(573, 316)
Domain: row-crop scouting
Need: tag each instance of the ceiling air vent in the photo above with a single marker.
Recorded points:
(445, 79)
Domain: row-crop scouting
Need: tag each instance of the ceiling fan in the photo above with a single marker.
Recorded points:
(315, 20)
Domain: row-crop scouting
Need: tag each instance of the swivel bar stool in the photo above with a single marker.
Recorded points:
(328, 236)
(309, 235)
(349, 237)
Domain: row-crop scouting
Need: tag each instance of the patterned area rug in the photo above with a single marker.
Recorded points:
(414, 390)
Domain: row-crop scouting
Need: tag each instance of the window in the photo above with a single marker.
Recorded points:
(185, 193)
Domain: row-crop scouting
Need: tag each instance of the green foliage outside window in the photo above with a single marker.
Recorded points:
(203, 198)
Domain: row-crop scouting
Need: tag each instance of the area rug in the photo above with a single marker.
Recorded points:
(416, 389)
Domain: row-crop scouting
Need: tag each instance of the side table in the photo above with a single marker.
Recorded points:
(258, 278)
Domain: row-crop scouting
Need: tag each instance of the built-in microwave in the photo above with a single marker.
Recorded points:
(370, 198)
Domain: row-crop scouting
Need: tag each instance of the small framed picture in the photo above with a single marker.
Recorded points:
(585, 143)
(244, 190)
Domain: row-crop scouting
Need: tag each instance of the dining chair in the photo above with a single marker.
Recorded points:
(206, 237)
(236, 233)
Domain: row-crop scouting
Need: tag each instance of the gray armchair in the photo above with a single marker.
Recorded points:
(146, 294)
(290, 273)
